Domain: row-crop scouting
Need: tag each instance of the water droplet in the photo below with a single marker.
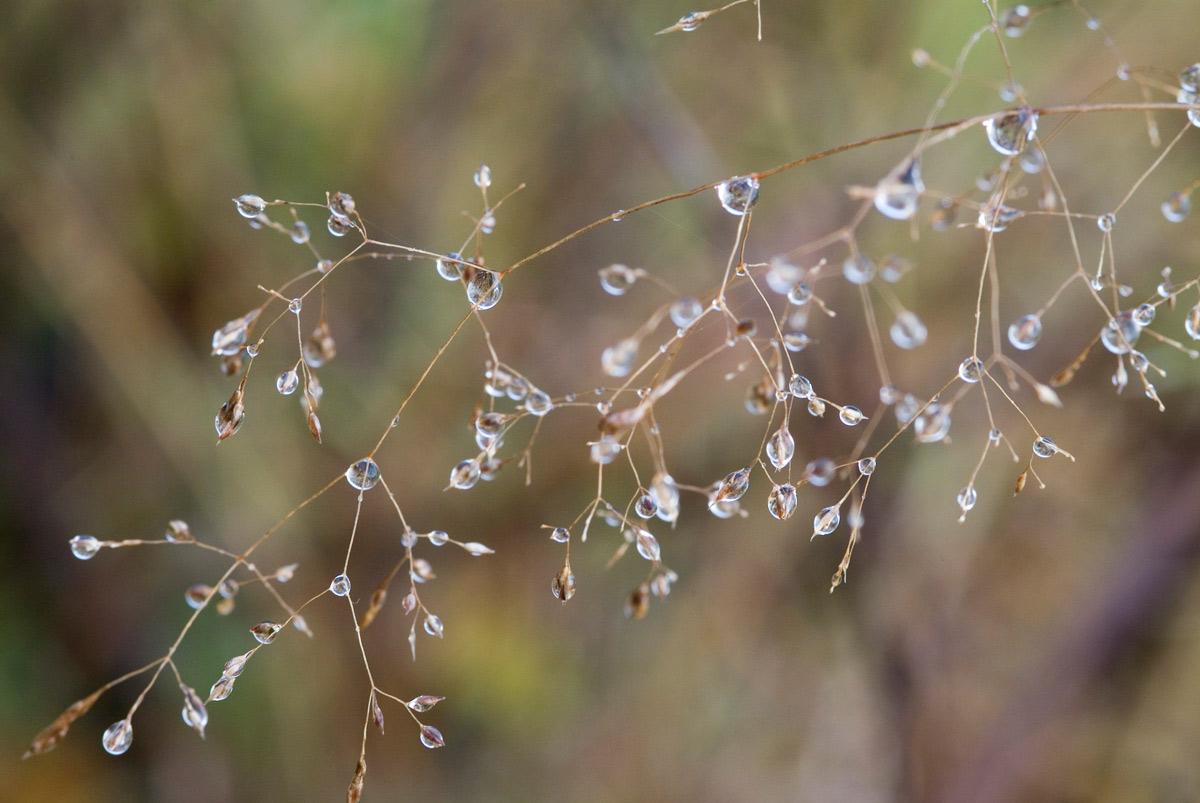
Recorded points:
(487, 223)
(1191, 324)
(539, 403)
(1009, 91)
(228, 588)
(342, 203)
(483, 177)
(782, 501)
(433, 625)
(1177, 206)
(889, 394)
(1044, 447)
(84, 547)
(851, 416)
(800, 294)
(617, 279)
(816, 407)
(997, 218)
(1009, 133)
(464, 475)
(196, 595)
(858, 269)
(666, 496)
(231, 337)
(1190, 98)
(1144, 314)
(820, 472)
(906, 409)
(300, 233)
(686, 311)
(340, 585)
(221, 689)
(249, 206)
(320, 347)
(431, 737)
(178, 532)
(898, 195)
(1032, 160)
(517, 389)
(1189, 79)
(645, 506)
(618, 360)
(1106, 221)
(738, 194)
(287, 382)
(231, 415)
(339, 225)
(1013, 21)
(1121, 332)
(908, 331)
(605, 450)
(781, 447)
(1025, 333)
(251, 350)
(921, 57)
(195, 715)
(363, 475)
(119, 736)
(324, 265)
(942, 218)
(647, 546)
(563, 586)
(800, 387)
(826, 521)
(967, 498)
(484, 289)
(450, 266)
(265, 632)
(866, 466)
(970, 370)
(490, 424)
(734, 486)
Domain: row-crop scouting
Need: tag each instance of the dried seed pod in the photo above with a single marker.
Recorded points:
(354, 792)
(54, 733)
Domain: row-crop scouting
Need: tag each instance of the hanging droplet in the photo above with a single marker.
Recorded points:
(1015, 20)
(221, 689)
(617, 279)
(906, 409)
(734, 486)
(450, 266)
(1025, 333)
(231, 337)
(231, 415)
(866, 466)
(178, 532)
(997, 218)
(647, 546)
(942, 218)
(1032, 160)
(618, 360)
(889, 394)
(781, 447)
(324, 266)
(738, 194)
(342, 203)
(119, 736)
(339, 225)
(84, 547)
(563, 587)
(265, 632)
(433, 625)
(249, 206)
(933, 425)
(320, 347)
(1177, 206)
(858, 269)
(970, 370)
(820, 472)
(483, 177)
(1191, 324)
(517, 389)
(816, 407)
(1009, 133)
(666, 496)
(431, 737)
(464, 475)
(800, 387)
(908, 331)
(686, 311)
(1190, 98)
(539, 403)
(1189, 79)
(782, 501)
(826, 521)
(195, 715)
(228, 588)
(287, 382)
(851, 416)
(1044, 447)
(645, 506)
(1009, 91)
(899, 194)
(487, 223)
(760, 397)
(477, 549)
(1106, 222)
(484, 289)
(605, 450)
(340, 585)
(196, 595)
(967, 498)
(1121, 332)
(1144, 314)
(800, 294)
(300, 233)
(363, 475)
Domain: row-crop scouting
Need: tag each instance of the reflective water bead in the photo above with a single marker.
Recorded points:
(617, 279)
(738, 194)
(618, 360)
(339, 225)
(196, 595)
(1025, 333)
(1013, 21)
(996, 218)
(300, 233)
(1044, 447)
(735, 485)
(1177, 206)
(1139, 361)
(796, 341)
(723, 508)
(1106, 221)
(908, 331)
(484, 289)
(560, 535)
(933, 425)
(1009, 91)
(970, 370)
(866, 466)
(483, 177)
(666, 496)
(967, 498)
(686, 311)
(827, 520)
(1189, 79)
(287, 382)
(342, 203)
(249, 206)
(605, 450)
(464, 475)
(539, 403)
(433, 625)
(782, 501)
(1144, 314)
(265, 632)
(906, 409)
(324, 265)
(517, 389)
(898, 195)
(1009, 133)
(450, 266)
(431, 737)
(1190, 98)
(851, 416)
(363, 475)
(230, 417)
(1032, 160)
(1191, 324)
(252, 350)
(84, 547)
(820, 472)
(781, 447)
(221, 689)
(691, 20)
(645, 507)
(800, 387)
(195, 715)
(858, 269)
(490, 424)
(563, 585)
(889, 394)
(800, 294)
(231, 337)
(942, 218)
(340, 585)
(816, 407)
(119, 736)
(1120, 333)
(487, 223)
(647, 546)
(893, 268)
(178, 532)
(782, 275)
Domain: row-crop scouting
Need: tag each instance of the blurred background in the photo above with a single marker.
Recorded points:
(1046, 649)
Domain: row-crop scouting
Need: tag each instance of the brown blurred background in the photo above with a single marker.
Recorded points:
(1048, 649)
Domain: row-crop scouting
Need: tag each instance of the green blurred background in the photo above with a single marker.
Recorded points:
(1045, 650)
